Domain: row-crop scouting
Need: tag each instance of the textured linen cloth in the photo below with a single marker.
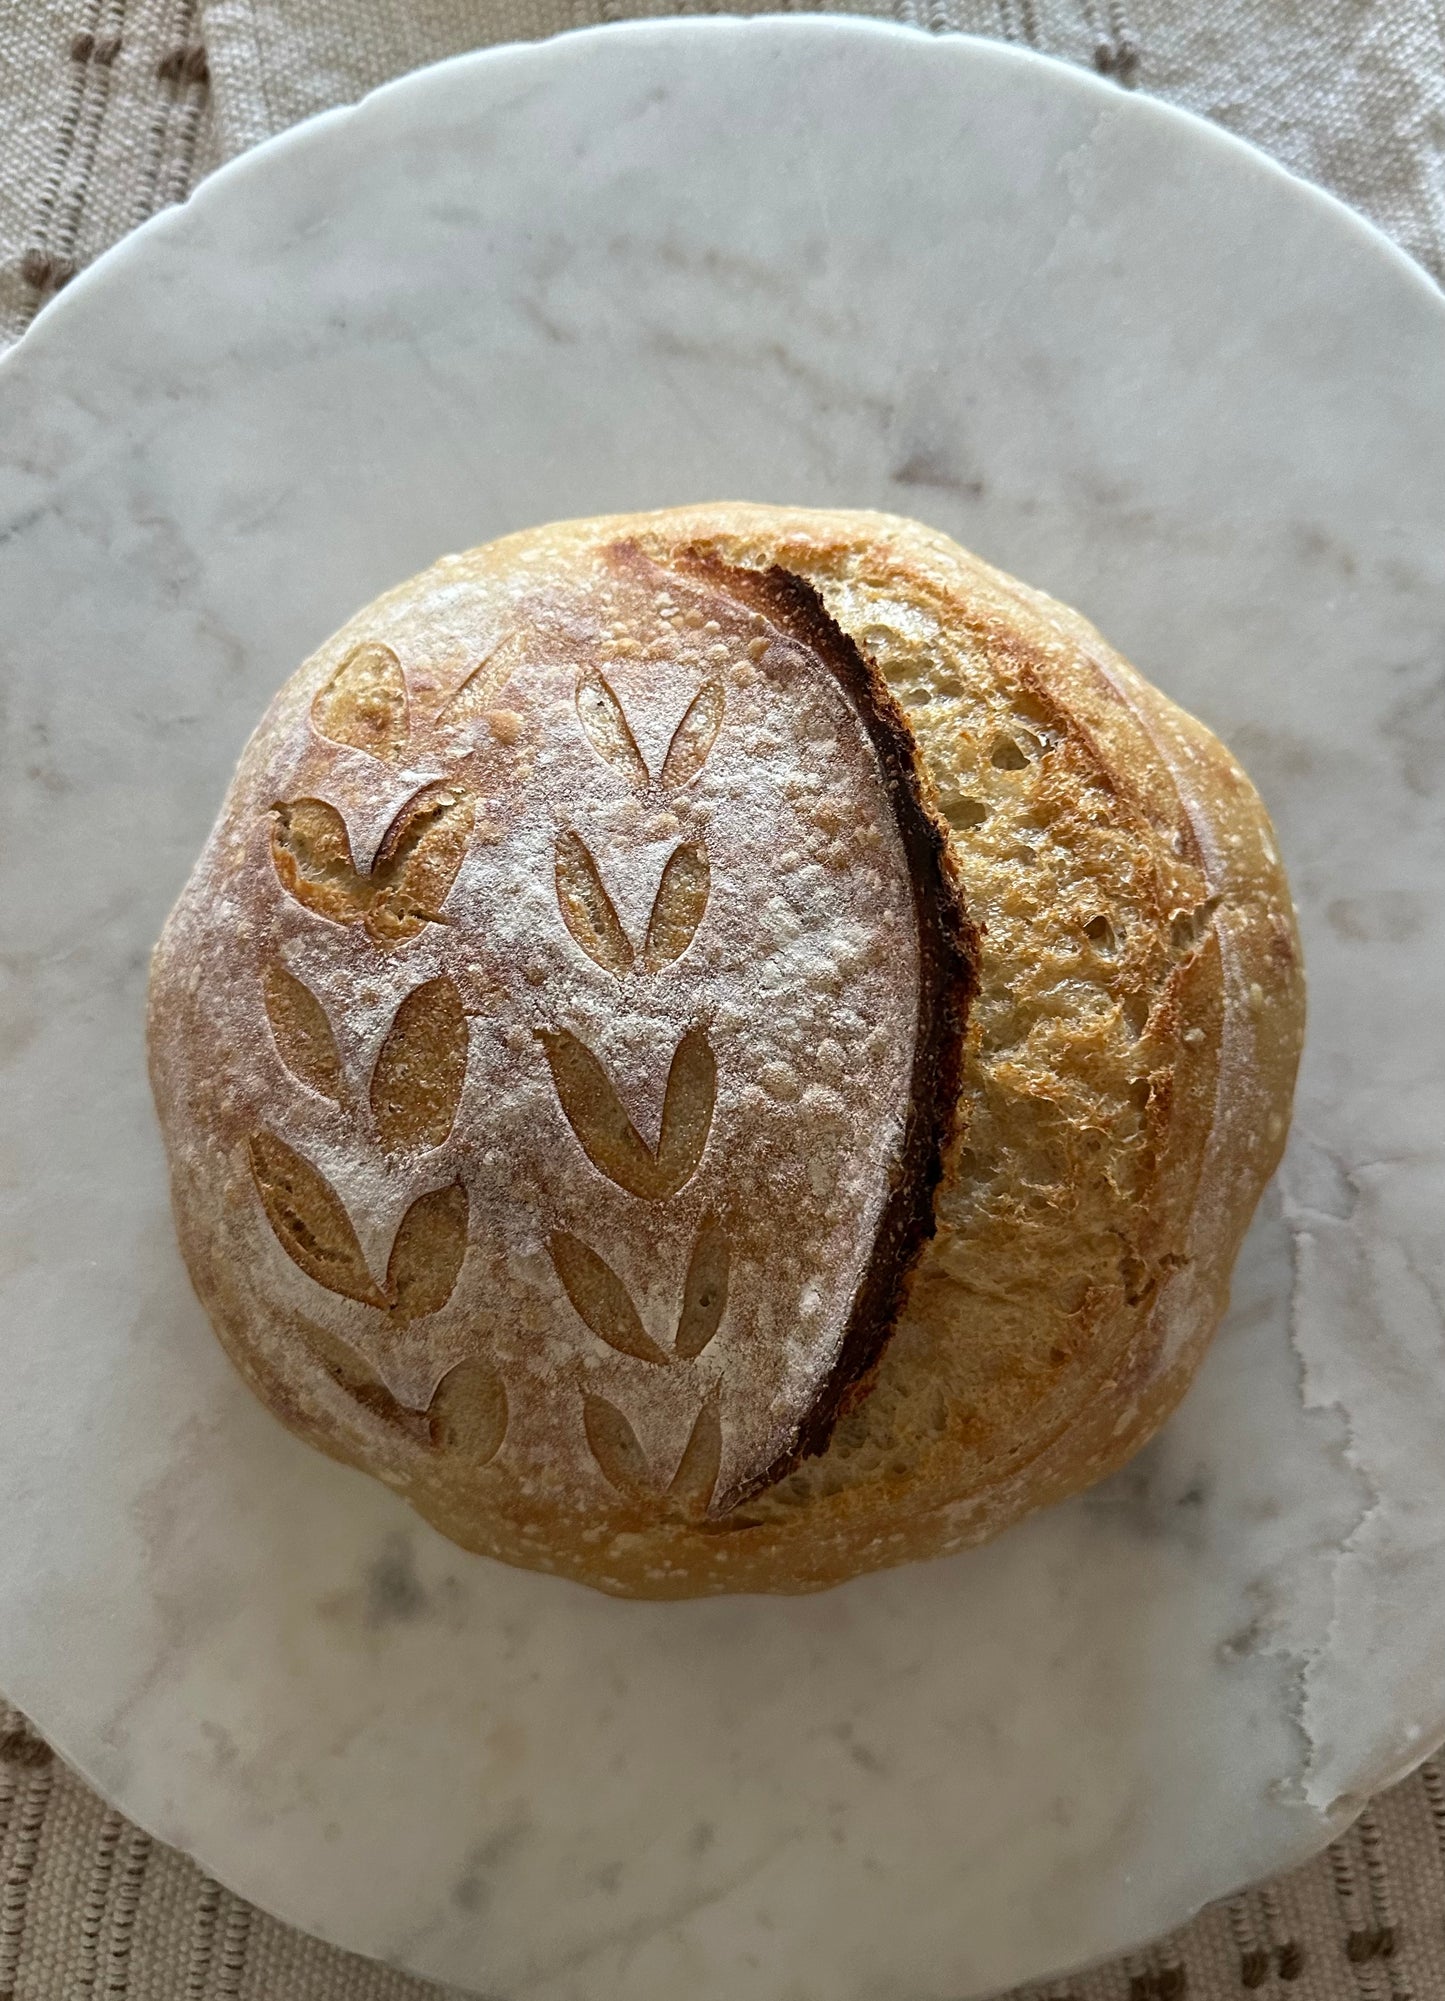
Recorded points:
(109, 109)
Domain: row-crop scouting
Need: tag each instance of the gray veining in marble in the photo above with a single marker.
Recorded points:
(797, 261)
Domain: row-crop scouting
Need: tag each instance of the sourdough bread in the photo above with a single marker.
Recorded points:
(722, 1049)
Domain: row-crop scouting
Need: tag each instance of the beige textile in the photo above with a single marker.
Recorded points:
(109, 109)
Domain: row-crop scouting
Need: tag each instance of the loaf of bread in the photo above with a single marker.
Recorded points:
(722, 1049)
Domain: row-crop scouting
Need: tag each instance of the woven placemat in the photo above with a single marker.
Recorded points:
(109, 109)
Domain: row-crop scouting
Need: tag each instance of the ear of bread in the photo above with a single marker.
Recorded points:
(717, 1050)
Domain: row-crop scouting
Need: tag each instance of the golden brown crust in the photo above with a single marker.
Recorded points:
(1125, 1092)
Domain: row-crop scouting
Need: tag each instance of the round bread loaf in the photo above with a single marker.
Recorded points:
(721, 1049)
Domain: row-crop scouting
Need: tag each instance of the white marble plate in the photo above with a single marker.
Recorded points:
(792, 260)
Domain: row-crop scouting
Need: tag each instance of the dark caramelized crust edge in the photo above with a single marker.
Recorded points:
(948, 950)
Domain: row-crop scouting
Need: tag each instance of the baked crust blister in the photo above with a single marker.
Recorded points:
(721, 1049)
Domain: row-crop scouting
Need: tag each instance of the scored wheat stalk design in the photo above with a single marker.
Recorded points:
(416, 1083)
(601, 1123)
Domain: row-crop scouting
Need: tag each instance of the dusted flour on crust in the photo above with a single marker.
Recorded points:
(721, 1049)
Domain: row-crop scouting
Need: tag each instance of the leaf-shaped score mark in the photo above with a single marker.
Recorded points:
(607, 1135)
(418, 862)
(623, 1463)
(587, 910)
(615, 1447)
(311, 852)
(467, 1417)
(302, 1033)
(607, 728)
(485, 682)
(678, 907)
(310, 1221)
(694, 736)
(427, 1253)
(416, 1085)
(415, 866)
(364, 704)
(705, 1293)
(693, 1484)
(600, 1297)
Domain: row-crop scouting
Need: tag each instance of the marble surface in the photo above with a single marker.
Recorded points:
(797, 261)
